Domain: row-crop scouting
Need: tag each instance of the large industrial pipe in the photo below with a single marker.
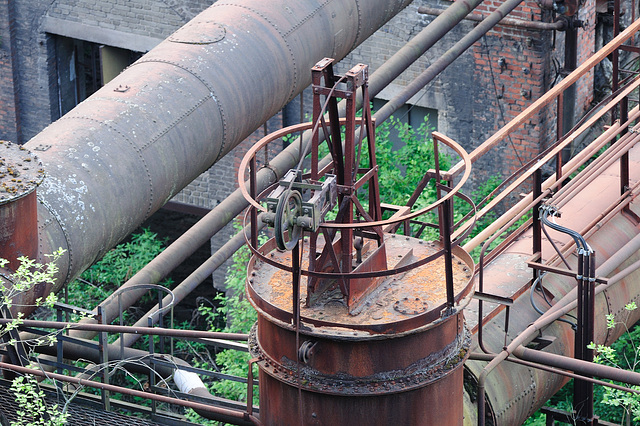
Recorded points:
(235, 203)
(124, 152)
(614, 238)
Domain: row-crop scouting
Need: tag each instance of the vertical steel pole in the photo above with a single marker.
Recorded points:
(104, 359)
(254, 193)
(578, 388)
(624, 160)
(535, 214)
(448, 256)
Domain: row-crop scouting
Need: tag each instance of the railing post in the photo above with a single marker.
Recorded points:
(448, 255)
(152, 367)
(535, 215)
(104, 359)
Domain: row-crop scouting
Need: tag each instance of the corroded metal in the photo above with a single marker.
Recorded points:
(385, 362)
(378, 332)
(270, 290)
(20, 173)
(512, 392)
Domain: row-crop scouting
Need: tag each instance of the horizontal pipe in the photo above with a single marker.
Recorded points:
(585, 368)
(559, 25)
(108, 328)
(479, 356)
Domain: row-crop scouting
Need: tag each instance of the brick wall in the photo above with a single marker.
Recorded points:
(511, 71)
(8, 118)
(487, 86)
(149, 18)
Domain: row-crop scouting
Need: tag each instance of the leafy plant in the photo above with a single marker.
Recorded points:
(238, 316)
(233, 314)
(33, 409)
(611, 405)
(117, 266)
(623, 353)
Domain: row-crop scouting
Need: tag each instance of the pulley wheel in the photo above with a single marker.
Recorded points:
(287, 232)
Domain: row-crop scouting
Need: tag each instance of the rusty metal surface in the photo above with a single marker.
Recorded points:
(271, 291)
(381, 314)
(360, 379)
(342, 365)
(429, 405)
(515, 392)
(20, 173)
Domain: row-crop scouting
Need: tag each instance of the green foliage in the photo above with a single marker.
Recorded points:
(117, 266)
(611, 405)
(28, 275)
(234, 314)
(33, 410)
(238, 315)
(234, 307)
(401, 170)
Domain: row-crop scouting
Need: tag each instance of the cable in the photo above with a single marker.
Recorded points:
(495, 89)
(538, 282)
(581, 243)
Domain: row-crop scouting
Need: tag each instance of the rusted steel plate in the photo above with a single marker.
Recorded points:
(20, 174)
(271, 291)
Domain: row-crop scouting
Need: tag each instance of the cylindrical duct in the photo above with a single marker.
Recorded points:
(124, 152)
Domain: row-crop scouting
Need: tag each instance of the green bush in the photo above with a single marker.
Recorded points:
(114, 269)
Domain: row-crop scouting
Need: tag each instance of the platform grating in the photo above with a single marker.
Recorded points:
(80, 415)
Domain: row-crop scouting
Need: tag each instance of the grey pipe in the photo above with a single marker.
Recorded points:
(125, 151)
(558, 25)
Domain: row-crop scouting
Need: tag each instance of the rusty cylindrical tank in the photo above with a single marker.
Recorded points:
(20, 174)
(395, 360)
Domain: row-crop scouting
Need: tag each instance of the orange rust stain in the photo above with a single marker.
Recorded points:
(424, 286)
